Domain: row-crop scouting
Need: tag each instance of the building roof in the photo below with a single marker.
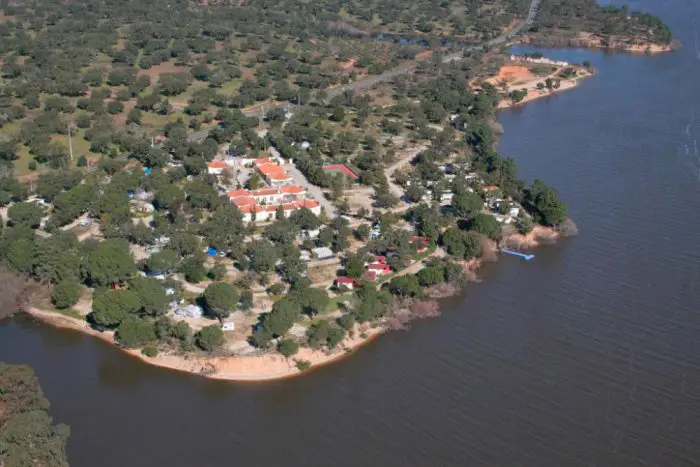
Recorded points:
(380, 259)
(491, 188)
(307, 203)
(243, 201)
(378, 267)
(422, 240)
(237, 193)
(345, 280)
(322, 252)
(217, 165)
(291, 189)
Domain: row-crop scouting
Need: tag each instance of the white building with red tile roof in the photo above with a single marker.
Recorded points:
(262, 205)
(272, 172)
(216, 167)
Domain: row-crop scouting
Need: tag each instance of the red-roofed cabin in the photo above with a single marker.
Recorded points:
(216, 167)
(422, 240)
(346, 282)
(371, 275)
(379, 269)
(380, 259)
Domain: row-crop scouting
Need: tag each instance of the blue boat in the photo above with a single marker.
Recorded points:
(524, 256)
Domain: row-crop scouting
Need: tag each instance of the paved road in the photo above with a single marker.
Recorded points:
(370, 81)
(315, 191)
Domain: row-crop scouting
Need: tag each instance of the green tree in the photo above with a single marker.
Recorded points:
(463, 245)
(487, 225)
(20, 255)
(354, 266)
(545, 203)
(524, 225)
(313, 300)
(405, 286)
(431, 275)
(115, 107)
(110, 263)
(193, 269)
(246, 300)
(335, 336)
(209, 338)
(362, 232)
(162, 261)
(287, 347)
(27, 435)
(134, 332)
(305, 219)
(112, 307)
(151, 293)
(218, 272)
(66, 294)
(262, 255)
(347, 321)
(281, 318)
(29, 214)
(221, 299)
(317, 334)
(338, 114)
(467, 204)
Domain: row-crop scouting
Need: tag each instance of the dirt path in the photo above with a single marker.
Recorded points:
(404, 158)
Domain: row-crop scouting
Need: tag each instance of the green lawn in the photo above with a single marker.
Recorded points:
(335, 302)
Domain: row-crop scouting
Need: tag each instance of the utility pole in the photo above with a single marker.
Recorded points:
(70, 141)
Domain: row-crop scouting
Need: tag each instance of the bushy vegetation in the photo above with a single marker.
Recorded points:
(27, 433)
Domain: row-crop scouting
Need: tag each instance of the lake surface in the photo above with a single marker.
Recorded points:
(586, 356)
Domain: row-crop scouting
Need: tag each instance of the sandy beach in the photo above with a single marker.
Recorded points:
(254, 368)
(273, 366)
(518, 77)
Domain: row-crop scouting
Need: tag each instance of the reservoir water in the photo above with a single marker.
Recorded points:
(586, 356)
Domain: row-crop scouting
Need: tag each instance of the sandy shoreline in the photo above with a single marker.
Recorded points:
(534, 93)
(266, 367)
(274, 366)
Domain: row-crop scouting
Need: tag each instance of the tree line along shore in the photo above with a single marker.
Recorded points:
(287, 235)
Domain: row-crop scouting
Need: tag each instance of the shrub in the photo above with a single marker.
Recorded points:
(135, 332)
(32, 165)
(288, 347)
(65, 294)
(303, 365)
(150, 351)
(209, 338)
(276, 289)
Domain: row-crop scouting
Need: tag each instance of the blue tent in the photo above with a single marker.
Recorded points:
(212, 252)
(147, 171)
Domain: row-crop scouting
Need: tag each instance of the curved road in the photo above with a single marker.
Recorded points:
(400, 70)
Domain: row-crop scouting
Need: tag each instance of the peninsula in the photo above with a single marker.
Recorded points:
(247, 191)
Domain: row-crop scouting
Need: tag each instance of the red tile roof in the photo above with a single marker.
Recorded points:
(378, 267)
(345, 280)
(238, 193)
(243, 201)
(292, 189)
(422, 240)
(217, 165)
